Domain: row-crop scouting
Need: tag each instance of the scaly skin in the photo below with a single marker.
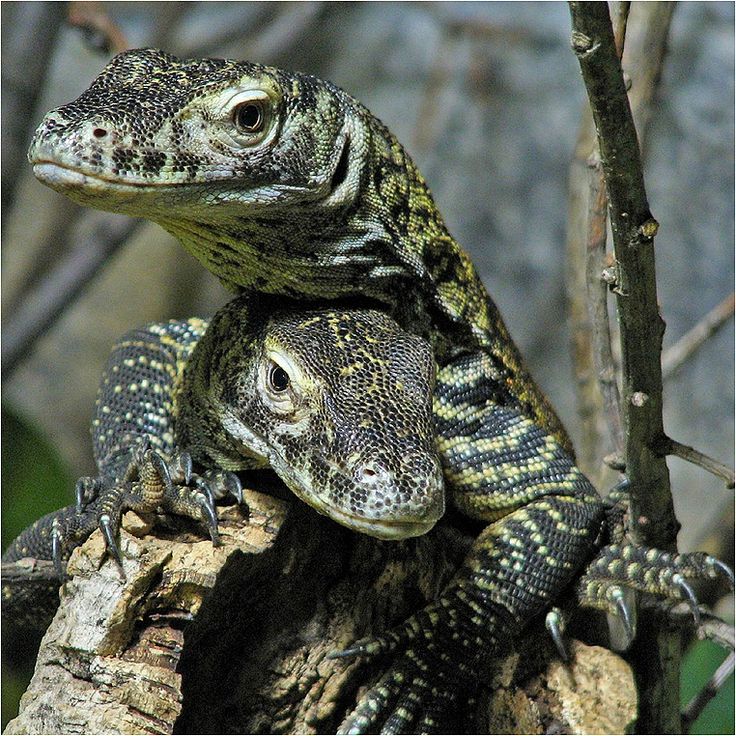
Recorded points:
(351, 433)
(284, 184)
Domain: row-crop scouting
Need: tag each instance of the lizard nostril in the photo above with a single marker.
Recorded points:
(369, 472)
(99, 132)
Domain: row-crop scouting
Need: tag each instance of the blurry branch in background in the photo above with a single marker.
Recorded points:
(715, 630)
(677, 355)
(23, 72)
(96, 237)
(696, 706)
(98, 28)
(275, 30)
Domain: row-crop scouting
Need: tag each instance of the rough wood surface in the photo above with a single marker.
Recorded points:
(234, 639)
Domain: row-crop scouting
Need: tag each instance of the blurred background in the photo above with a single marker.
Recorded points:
(487, 97)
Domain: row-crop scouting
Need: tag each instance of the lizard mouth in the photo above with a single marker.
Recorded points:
(57, 176)
(380, 529)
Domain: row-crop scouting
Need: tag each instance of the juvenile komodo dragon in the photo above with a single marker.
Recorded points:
(282, 183)
(338, 402)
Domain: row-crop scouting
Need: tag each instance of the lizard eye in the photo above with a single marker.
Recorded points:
(250, 117)
(278, 378)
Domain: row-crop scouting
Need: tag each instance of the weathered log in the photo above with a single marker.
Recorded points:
(197, 639)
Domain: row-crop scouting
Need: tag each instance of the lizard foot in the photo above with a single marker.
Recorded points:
(433, 664)
(148, 484)
(619, 567)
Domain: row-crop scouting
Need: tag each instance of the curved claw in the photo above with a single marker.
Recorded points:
(724, 570)
(354, 651)
(689, 595)
(552, 623)
(79, 489)
(107, 532)
(56, 549)
(185, 466)
(160, 466)
(206, 489)
(234, 487)
(623, 485)
(210, 518)
(617, 596)
(85, 491)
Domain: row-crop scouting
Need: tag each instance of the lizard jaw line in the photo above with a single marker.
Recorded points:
(58, 176)
(384, 529)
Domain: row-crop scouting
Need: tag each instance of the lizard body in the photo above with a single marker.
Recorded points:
(283, 184)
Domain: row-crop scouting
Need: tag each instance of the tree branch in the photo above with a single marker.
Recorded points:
(669, 446)
(599, 403)
(653, 521)
(254, 620)
(696, 706)
(677, 355)
(97, 237)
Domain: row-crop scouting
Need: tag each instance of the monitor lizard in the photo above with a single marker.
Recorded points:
(282, 183)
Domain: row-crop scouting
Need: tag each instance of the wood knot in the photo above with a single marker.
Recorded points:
(581, 44)
(639, 398)
(648, 229)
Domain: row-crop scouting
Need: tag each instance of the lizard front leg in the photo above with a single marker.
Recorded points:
(141, 467)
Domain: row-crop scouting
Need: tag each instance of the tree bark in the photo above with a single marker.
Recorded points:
(231, 639)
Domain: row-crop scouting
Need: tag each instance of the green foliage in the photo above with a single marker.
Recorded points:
(34, 482)
(34, 478)
(700, 662)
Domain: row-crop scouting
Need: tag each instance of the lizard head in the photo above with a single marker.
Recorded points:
(340, 405)
(155, 136)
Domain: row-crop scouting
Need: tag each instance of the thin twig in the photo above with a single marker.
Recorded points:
(24, 68)
(100, 237)
(597, 291)
(269, 40)
(668, 446)
(653, 521)
(595, 367)
(93, 20)
(589, 400)
(711, 688)
(595, 262)
(711, 627)
(677, 355)
(646, 46)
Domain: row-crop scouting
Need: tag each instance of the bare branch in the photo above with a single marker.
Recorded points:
(711, 627)
(98, 238)
(24, 69)
(100, 30)
(677, 355)
(711, 688)
(653, 521)
(270, 35)
(643, 56)
(597, 291)
(669, 446)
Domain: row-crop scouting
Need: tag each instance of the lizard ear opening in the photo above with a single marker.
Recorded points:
(341, 170)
